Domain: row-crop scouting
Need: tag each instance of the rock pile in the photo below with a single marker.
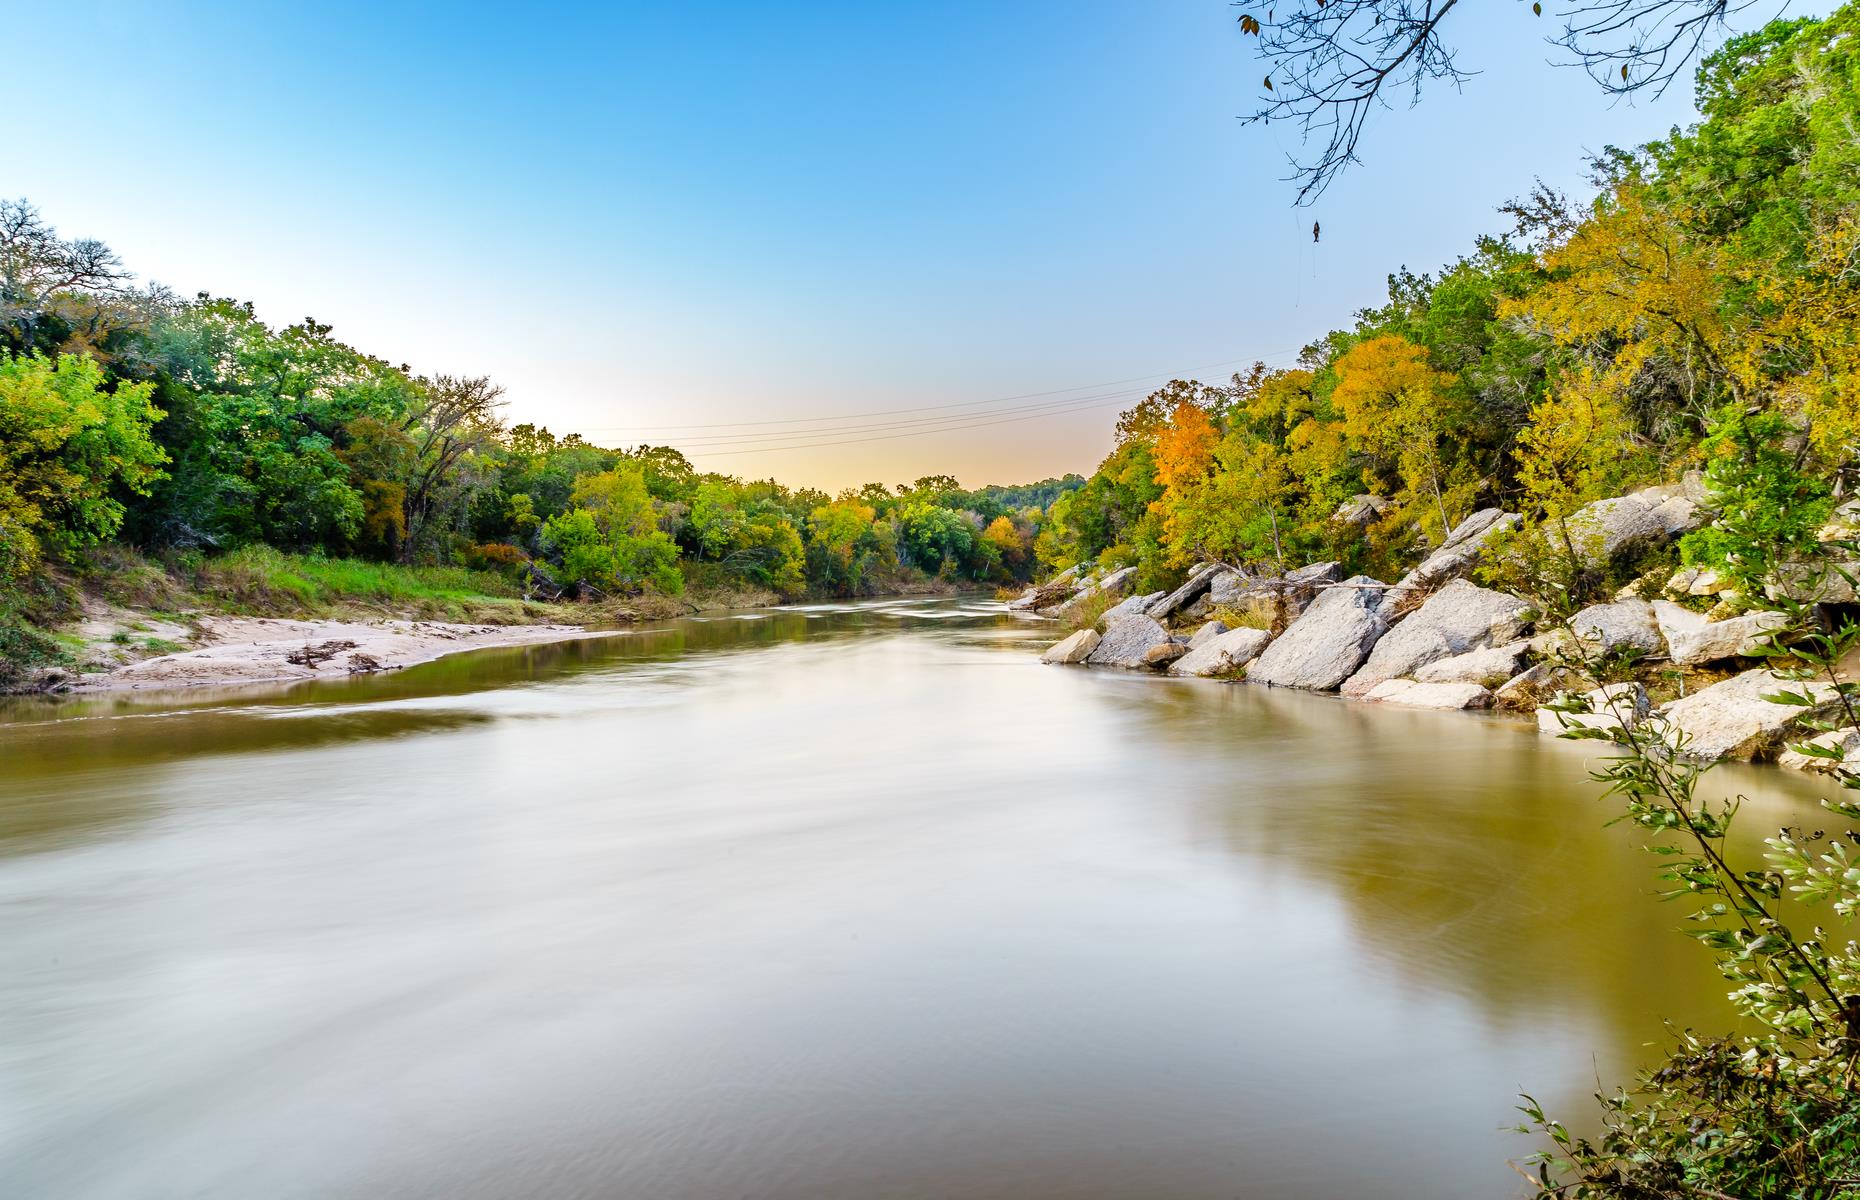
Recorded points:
(1435, 639)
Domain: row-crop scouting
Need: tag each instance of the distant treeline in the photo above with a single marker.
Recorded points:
(191, 426)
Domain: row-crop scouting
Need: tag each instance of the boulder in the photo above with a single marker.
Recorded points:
(1222, 655)
(1697, 581)
(1130, 606)
(1845, 741)
(1604, 708)
(1816, 583)
(1307, 579)
(1843, 524)
(1117, 583)
(1457, 555)
(1692, 639)
(1459, 617)
(1676, 620)
(1488, 667)
(1053, 592)
(1228, 585)
(1606, 530)
(1074, 649)
(1360, 511)
(1162, 655)
(1328, 641)
(1430, 695)
(1200, 578)
(1732, 720)
(1126, 642)
(1206, 634)
(1604, 628)
(1272, 600)
(1530, 688)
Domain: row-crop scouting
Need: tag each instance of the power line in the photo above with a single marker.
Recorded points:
(711, 453)
(1051, 407)
(930, 407)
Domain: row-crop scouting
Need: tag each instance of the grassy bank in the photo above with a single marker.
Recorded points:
(113, 605)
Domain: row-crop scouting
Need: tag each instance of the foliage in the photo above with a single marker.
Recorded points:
(1769, 1114)
(610, 539)
(1768, 511)
(69, 446)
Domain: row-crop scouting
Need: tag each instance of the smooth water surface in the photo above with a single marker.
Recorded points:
(833, 902)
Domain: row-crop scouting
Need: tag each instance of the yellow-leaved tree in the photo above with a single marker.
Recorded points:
(1402, 412)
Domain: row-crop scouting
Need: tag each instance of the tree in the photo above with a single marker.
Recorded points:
(57, 294)
(1013, 541)
(66, 446)
(1398, 408)
(936, 540)
(457, 422)
(610, 539)
(847, 545)
(1768, 511)
(747, 534)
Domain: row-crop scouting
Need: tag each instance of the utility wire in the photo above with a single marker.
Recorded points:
(883, 412)
(927, 424)
(711, 453)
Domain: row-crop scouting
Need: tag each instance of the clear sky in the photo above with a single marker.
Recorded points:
(723, 217)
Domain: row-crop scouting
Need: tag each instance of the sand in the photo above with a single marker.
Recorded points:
(271, 650)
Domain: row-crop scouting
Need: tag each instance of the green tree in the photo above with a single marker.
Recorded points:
(70, 449)
(610, 539)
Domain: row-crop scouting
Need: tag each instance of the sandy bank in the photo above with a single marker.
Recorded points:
(269, 650)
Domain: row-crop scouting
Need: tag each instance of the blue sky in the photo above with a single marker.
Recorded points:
(637, 217)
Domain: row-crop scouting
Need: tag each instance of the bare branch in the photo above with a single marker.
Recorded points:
(1330, 63)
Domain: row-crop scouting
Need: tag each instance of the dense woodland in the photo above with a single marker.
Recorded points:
(1699, 311)
(190, 428)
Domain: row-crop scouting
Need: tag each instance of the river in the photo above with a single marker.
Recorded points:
(828, 902)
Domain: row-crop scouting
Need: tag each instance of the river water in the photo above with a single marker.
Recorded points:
(835, 902)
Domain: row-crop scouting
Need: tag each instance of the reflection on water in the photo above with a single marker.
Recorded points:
(838, 901)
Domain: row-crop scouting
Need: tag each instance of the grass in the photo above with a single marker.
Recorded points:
(1241, 618)
(1086, 613)
(262, 581)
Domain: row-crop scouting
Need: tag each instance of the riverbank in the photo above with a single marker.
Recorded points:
(1681, 654)
(237, 650)
(124, 622)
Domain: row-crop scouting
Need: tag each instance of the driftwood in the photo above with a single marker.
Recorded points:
(314, 656)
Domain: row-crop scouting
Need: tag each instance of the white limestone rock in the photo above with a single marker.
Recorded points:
(1126, 642)
(1117, 583)
(1459, 617)
(1603, 628)
(1224, 654)
(1609, 707)
(1130, 606)
(1328, 641)
(1488, 667)
(1465, 543)
(1692, 639)
(1207, 633)
(1430, 695)
(1074, 649)
(1200, 579)
(1846, 741)
(1733, 720)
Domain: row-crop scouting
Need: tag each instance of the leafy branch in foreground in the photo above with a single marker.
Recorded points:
(1776, 1113)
